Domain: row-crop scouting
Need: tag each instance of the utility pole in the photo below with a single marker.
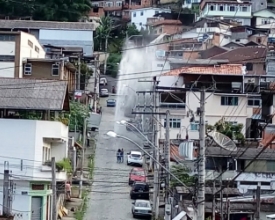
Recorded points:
(54, 200)
(83, 157)
(201, 159)
(214, 201)
(105, 61)
(258, 203)
(167, 162)
(6, 191)
(221, 197)
(78, 73)
(228, 209)
(96, 84)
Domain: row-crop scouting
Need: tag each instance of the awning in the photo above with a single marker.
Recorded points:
(77, 145)
(180, 215)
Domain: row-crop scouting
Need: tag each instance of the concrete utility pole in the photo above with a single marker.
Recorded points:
(83, 155)
(106, 50)
(7, 197)
(96, 84)
(54, 200)
(221, 197)
(78, 73)
(167, 163)
(201, 160)
(214, 201)
(258, 203)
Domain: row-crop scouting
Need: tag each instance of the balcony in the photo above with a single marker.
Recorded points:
(174, 108)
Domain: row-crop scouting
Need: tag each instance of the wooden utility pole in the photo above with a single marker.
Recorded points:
(258, 203)
(54, 199)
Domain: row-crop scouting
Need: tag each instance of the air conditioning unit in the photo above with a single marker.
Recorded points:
(28, 69)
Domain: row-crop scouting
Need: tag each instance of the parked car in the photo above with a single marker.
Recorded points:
(137, 174)
(103, 82)
(135, 158)
(139, 190)
(104, 93)
(142, 208)
(111, 103)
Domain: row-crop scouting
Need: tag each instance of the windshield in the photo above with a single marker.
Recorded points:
(136, 155)
(104, 90)
(138, 173)
(142, 205)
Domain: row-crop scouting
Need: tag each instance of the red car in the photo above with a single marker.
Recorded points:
(137, 174)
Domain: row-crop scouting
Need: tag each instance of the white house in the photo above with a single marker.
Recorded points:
(234, 107)
(139, 16)
(189, 3)
(67, 34)
(29, 144)
(264, 19)
(15, 47)
(241, 12)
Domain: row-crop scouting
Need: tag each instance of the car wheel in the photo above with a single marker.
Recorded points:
(134, 216)
(129, 182)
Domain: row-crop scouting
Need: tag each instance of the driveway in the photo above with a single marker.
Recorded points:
(109, 198)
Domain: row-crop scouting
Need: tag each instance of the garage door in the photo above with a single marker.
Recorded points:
(37, 208)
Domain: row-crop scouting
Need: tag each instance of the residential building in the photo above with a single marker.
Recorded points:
(70, 34)
(190, 3)
(54, 69)
(139, 16)
(39, 137)
(264, 19)
(17, 46)
(240, 12)
(236, 100)
(161, 26)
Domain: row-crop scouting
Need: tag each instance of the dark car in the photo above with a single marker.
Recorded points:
(139, 190)
(111, 103)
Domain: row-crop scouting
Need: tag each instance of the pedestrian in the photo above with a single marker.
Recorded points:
(122, 156)
(118, 155)
(68, 190)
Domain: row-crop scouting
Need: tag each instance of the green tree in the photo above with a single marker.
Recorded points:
(78, 113)
(132, 30)
(103, 32)
(182, 173)
(230, 130)
(51, 10)
(113, 64)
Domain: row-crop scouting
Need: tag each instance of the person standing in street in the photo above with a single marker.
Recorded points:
(68, 190)
(122, 156)
(118, 155)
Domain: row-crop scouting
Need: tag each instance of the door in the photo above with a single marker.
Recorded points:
(37, 208)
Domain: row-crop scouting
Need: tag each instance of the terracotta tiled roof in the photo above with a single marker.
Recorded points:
(174, 153)
(232, 69)
(243, 54)
(166, 22)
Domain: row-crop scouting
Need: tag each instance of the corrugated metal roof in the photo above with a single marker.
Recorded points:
(46, 25)
(32, 94)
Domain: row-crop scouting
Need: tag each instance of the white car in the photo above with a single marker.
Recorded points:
(142, 208)
(104, 93)
(135, 158)
(103, 82)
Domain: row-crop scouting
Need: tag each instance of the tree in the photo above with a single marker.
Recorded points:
(181, 172)
(51, 10)
(113, 64)
(132, 30)
(103, 32)
(230, 130)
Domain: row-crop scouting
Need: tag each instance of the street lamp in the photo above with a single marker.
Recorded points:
(115, 135)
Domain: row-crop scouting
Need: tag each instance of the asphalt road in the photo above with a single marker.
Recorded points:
(111, 82)
(109, 198)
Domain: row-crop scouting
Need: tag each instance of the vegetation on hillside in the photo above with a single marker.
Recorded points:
(51, 10)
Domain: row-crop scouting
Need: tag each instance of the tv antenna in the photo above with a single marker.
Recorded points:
(223, 141)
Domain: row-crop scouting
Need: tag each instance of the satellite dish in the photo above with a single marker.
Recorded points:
(223, 141)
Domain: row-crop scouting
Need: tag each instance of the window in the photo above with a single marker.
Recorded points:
(221, 8)
(36, 49)
(159, 65)
(229, 100)
(237, 40)
(174, 123)
(254, 102)
(234, 123)
(46, 154)
(212, 7)
(30, 43)
(7, 58)
(160, 30)
(140, 24)
(109, 4)
(134, 15)
(259, 40)
(141, 13)
(244, 8)
(95, 4)
(265, 21)
(7, 37)
(270, 166)
(28, 69)
(195, 126)
(55, 69)
(249, 66)
(232, 8)
(119, 4)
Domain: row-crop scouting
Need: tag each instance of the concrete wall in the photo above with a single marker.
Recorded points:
(7, 68)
